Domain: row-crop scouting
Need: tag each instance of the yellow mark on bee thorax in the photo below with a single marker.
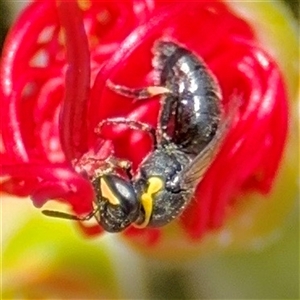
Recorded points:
(107, 192)
(155, 185)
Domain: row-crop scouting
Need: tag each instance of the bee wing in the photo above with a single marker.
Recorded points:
(195, 170)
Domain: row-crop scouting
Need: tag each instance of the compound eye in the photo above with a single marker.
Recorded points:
(120, 192)
(117, 201)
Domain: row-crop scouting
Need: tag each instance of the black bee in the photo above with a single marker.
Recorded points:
(185, 142)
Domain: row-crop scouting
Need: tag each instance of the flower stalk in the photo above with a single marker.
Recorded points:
(73, 122)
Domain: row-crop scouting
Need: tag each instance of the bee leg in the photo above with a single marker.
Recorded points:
(122, 164)
(131, 124)
(138, 93)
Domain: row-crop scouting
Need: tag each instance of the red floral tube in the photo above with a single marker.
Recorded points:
(55, 64)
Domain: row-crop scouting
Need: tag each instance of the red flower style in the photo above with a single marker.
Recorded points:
(55, 64)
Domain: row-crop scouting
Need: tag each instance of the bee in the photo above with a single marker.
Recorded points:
(185, 142)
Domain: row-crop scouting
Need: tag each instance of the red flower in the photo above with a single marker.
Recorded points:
(55, 64)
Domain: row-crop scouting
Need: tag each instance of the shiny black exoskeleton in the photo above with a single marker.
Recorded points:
(185, 142)
(116, 202)
(189, 118)
(187, 136)
(193, 105)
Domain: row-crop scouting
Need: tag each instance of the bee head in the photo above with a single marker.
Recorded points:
(116, 201)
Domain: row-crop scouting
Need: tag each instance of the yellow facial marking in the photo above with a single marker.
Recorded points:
(155, 185)
(107, 193)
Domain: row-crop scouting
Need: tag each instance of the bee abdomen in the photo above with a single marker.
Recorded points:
(195, 97)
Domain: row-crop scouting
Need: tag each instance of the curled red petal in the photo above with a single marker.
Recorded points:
(46, 156)
(73, 125)
(20, 78)
(148, 237)
(90, 231)
(18, 186)
(69, 186)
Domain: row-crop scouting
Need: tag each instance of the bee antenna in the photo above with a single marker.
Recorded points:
(63, 215)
